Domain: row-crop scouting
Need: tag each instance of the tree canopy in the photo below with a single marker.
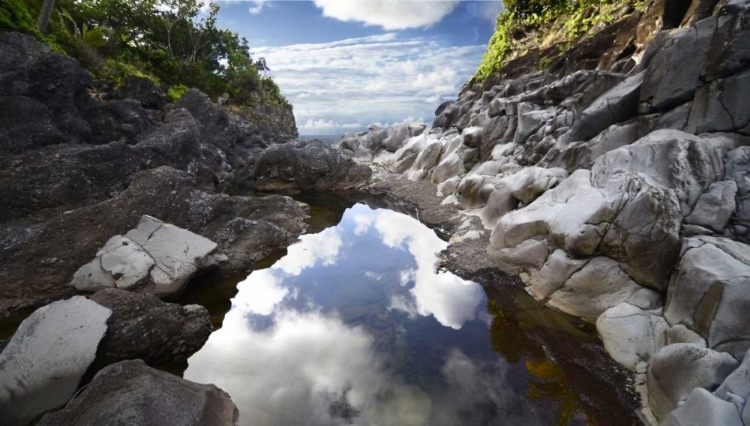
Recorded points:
(172, 42)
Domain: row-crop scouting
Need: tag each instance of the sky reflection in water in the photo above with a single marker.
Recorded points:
(355, 326)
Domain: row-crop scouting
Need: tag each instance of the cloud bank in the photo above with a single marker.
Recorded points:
(349, 84)
(389, 14)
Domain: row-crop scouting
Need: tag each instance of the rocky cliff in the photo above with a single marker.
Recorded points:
(613, 182)
(80, 164)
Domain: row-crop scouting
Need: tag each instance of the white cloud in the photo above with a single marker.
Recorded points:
(266, 290)
(448, 298)
(320, 248)
(389, 14)
(349, 84)
(257, 6)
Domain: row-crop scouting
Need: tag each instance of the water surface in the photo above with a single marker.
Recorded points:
(355, 326)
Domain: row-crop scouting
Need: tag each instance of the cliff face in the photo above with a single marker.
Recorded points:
(613, 181)
(79, 165)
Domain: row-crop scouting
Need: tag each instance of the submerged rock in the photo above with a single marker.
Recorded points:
(155, 258)
(132, 393)
(43, 363)
(144, 327)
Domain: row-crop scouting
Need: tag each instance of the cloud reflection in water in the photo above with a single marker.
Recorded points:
(336, 349)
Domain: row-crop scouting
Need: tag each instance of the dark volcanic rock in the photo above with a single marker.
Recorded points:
(38, 260)
(301, 167)
(131, 393)
(142, 90)
(144, 327)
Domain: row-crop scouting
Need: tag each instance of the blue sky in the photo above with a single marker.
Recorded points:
(346, 64)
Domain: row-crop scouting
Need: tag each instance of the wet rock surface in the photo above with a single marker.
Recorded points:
(130, 392)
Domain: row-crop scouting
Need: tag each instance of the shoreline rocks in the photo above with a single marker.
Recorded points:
(155, 258)
(42, 365)
(130, 392)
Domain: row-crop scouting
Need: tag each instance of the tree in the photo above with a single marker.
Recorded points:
(44, 15)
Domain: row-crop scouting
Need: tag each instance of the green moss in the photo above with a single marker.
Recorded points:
(16, 16)
(527, 24)
(176, 92)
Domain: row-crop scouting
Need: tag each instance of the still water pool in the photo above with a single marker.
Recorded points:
(355, 326)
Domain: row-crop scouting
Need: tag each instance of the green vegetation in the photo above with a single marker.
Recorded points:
(531, 24)
(174, 43)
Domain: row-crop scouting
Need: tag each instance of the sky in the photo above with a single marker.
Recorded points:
(347, 64)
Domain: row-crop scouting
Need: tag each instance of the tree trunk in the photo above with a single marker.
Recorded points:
(44, 15)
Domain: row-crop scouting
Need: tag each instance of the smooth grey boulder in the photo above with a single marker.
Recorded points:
(574, 215)
(144, 327)
(715, 206)
(709, 293)
(681, 334)
(155, 257)
(450, 167)
(671, 159)
(678, 369)
(645, 235)
(583, 154)
(631, 336)
(722, 106)
(704, 409)
(555, 272)
(400, 134)
(615, 106)
(474, 191)
(736, 389)
(674, 72)
(530, 120)
(43, 363)
(738, 168)
(131, 393)
(598, 286)
(524, 186)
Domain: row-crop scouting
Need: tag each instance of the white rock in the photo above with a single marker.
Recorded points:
(558, 268)
(704, 409)
(631, 335)
(598, 286)
(709, 293)
(715, 206)
(42, 365)
(155, 257)
(678, 369)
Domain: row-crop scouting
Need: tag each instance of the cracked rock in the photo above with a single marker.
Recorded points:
(154, 258)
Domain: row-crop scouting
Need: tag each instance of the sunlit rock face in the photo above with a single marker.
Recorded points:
(355, 326)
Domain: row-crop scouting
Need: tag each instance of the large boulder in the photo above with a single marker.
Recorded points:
(144, 327)
(674, 72)
(598, 286)
(36, 268)
(400, 134)
(42, 365)
(631, 335)
(678, 369)
(130, 392)
(301, 167)
(722, 106)
(709, 292)
(704, 409)
(156, 258)
(736, 389)
(615, 106)
(715, 206)
(671, 159)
